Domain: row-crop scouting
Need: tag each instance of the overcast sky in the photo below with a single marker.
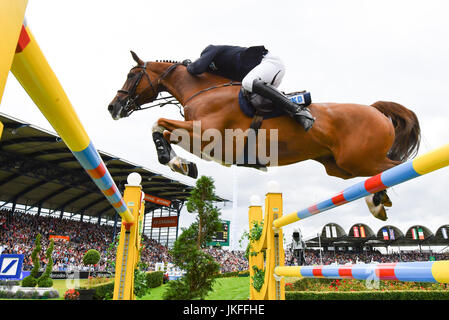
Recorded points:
(341, 51)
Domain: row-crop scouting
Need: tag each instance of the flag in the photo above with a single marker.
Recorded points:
(414, 234)
(385, 233)
(356, 232)
(421, 234)
(334, 231)
(328, 232)
(391, 234)
(362, 232)
(444, 231)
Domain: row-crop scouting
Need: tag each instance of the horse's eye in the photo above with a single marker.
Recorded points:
(131, 75)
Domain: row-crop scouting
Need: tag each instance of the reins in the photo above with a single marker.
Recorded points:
(168, 100)
(229, 84)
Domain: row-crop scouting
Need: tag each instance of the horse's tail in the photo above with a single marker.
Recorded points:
(406, 128)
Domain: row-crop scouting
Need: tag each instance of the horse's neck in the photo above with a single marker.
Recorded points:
(182, 85)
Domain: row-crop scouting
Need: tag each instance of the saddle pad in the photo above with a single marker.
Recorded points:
(301, 98)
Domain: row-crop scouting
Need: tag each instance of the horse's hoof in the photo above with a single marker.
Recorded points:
(378, 211)
(386, 200)
(184, 167)
(381, 197)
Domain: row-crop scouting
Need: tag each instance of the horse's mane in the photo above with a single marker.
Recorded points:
(168, 61)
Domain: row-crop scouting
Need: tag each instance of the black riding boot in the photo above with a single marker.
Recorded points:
(301, 114)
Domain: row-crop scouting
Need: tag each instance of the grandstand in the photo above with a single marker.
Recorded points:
(361, 245)
(40, 176)
(43, 189)
(361, 235)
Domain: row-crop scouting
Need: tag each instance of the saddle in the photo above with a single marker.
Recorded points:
(259, 108)
(253, 104)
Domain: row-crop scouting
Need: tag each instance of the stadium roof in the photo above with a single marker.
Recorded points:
(362, 235)
(37, 168)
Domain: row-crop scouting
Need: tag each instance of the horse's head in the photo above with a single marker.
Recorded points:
(139, 89)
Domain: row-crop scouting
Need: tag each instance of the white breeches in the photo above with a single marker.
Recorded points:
(270, 70)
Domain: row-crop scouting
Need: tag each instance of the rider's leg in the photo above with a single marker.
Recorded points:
(265, 78)
(270, 70)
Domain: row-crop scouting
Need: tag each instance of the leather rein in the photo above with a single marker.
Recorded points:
(131, 104)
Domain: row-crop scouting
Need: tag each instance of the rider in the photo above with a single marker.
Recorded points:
(259, 71)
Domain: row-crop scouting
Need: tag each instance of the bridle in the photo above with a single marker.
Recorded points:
(131, 104)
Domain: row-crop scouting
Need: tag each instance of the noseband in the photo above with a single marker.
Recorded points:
(131, 104)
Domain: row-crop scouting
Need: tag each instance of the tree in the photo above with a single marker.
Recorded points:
(91, 257)
(45, 279)
(201, 201)
(31, 280)
(187, 251)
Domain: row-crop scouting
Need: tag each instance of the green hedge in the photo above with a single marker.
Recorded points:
(369, 295)
(103, 291)
(233, 274)
(155, 279)
(28, 295)
(29, 282)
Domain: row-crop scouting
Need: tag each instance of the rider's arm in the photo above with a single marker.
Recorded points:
(202, 64)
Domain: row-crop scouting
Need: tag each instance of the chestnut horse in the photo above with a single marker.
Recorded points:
(349, 140)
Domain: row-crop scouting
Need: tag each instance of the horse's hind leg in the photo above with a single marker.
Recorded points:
(378, 201)
(365, 165)
(162, 131)
(332, 169)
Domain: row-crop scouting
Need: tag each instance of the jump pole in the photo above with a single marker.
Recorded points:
(32, 70)
(21, 54)
(425, 271)
(421, 165)
(12, 13)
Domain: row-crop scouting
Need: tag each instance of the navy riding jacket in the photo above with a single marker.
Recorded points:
(231, 62)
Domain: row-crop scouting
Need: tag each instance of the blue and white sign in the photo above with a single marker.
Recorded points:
(11, 266)
(299, 98)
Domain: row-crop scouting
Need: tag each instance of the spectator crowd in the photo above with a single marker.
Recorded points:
(312, 257)
(18, 231)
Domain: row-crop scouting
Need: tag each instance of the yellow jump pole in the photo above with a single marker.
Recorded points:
(275, 255)
(271, 242)
(255, 259)
(424, 164)
(12, 13)
(36, 76)
(129, 244)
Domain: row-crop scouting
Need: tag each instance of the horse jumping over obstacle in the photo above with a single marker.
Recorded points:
(350, 140)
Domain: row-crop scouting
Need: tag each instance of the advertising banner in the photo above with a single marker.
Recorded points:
(164, 222)
(55, 237)
(164, 202)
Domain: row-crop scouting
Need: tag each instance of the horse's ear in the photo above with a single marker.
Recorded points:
(136, 58)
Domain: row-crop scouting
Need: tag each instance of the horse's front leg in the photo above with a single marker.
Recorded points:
(162, 134)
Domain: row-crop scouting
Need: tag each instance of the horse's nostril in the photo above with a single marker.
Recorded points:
(110, 107)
